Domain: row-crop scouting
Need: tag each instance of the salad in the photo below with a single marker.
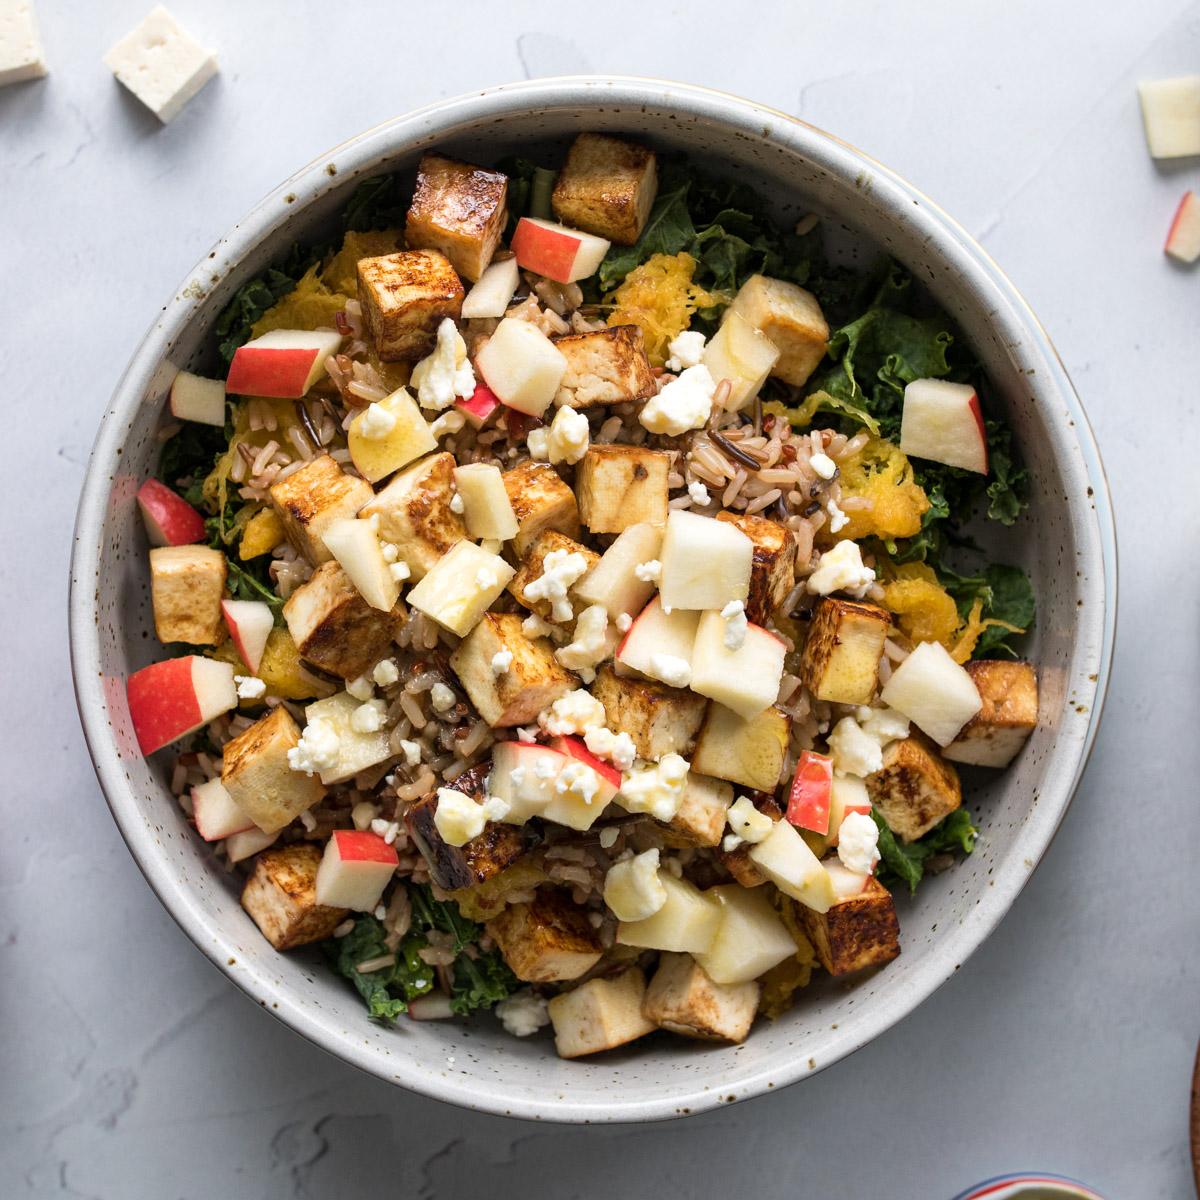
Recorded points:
(567, 601)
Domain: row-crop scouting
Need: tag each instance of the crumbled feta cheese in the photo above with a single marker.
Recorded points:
(485, 578)
(441, 697)
(608, 837)
(457, 505)
(618, 748)
(448, 422)
(624, 621)
(400, 571)
(672, 670)
(854, 752)
(389, 550)
(747, 822)
(388, 830)
(699, 493)
(685, 403)
(590, 641)
(385, 673)
(858, 843)
(538, 441)
(523, 1013)
(649, 571)
(731, 842)
(577, 781)
(527, 734)
(376, 423)
(736, 624)
(569, 436)
(445, 375)
(362, 814)
(361, 688)
(632, 888)
(560, 569)
(317, 750)
(496, 809)
(534, 627)
(840, 569)
(501, 661)
(837, 519)
(544, 770)
(883, 724)
(655, 788)
(685, 349)
(369, 717)
(517, 775)
(411, 751)
(458, 818)
(824, 466)
(250, 687)
(576, 712)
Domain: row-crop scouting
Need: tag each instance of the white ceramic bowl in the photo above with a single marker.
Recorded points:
(1066, 542)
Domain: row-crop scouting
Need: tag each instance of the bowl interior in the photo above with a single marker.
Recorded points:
(1063, 542)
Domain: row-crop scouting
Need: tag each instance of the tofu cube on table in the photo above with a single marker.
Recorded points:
(750, 753)
(606, 187)
(187, 585)
(605, 366)
(993, 737)
(660, 719)
(772, 567)
(21, 55)
(533, 567)
(619, 486)
(547, 940)
(601, 1014)
(540, 500)
(791, 318)
(916, 787)
(840, 660)
(405, 297)
(281, 897)
(309, 500)
(458, 209)
(682, 998)
(461, 586)
(856, 933)
(256, 774)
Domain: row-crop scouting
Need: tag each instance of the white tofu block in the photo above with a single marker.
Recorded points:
(1171, 115)
(161, 64)
(21, 55)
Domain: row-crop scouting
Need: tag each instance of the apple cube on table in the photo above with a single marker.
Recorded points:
(487, 510)
(1171, 115)
(377, 455)
(745, 680)
(600, 1015)
(215, 814)
(355, 547)
(785, 859)
(751, 937)
(613, 582)
(311, 499)
(522, 366)
(281, 897)
(791, 319)
(607, 186)
(169, 519)
(994, 736)
(356, 867)
(840, 659)
(659, 719)
(532, 568)
(194, 398)
(548, 939)
(405, 297)
(934, 692)
(700, 818)
(540, 500)
(604, 366)
(493, 292)
(915, 789)
(461, 586)
(750, 753)
(1183, 240)
(619, 486)
(284, 363)
(684, 999)
(772, 565)
(743, 355)
(170, 699)
(943, 422)
(705, 562)
(558, 253)
(249, 623)
(687, 921)
(187, 584)
(854, 933)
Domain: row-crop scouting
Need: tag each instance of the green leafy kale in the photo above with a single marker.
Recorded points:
(388, 990)
(480, 982)
(188, 457)
(1007, 596)
(520, 172)
(376, 203)
(904, 862)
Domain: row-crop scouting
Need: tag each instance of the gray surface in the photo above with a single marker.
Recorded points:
(131, 1069)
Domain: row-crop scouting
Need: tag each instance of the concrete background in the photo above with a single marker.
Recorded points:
(129, 1068)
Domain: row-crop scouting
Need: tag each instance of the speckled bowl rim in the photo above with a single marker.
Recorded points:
(307, 185)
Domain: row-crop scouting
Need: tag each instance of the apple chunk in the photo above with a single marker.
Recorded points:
(557, 252)
(933, 692)
(389, 435)
(746, 679)
(170, 699)
(785, 859)
(613, 581)
(487, 510)
(215, 813)
(687, 921)
(810, 793)
(705, 562)
(355, 546)
(943, 422)
(742, 354)
(1171, 115)
(522, 366)
(658, 642)
(750, 940)
(1183, 242)
(523, 775)
(283, 364)
(479, 406)
(355, 869)
(249, 623)
(194, 398)
(170, 520)
(494, 291)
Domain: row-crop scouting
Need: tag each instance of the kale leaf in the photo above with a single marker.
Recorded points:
(388, 990)
(1007, 595)
(480, 982)
(905, 861)
(376, 203)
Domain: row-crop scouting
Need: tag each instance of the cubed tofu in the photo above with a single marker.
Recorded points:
(700, 818)
(738, 861)
(459, 209)
(309, 500)
(497, 847)
(461, 586)
(749, 753)
(334, 628)
(600, 1015)
(606, 187)
(256, 774)
(405, 297)
(840, 660)
(791, 318)
(281, 897)
(773, 567)
(992, 738)
(540, 501)
(915, 788)
(856, 933)
(660, 719)
(187, 584)
(533, 567)
(547, 940)
(606, 366)
(415, 512)
(682, 998)
(531, 682)
(619, 486)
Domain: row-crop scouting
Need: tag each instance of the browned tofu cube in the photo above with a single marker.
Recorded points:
(533, 568)
(915, 788)
(531, 681)
(660, 719)
(256, 773)
(600, 1015)
(187, 584)
(415, 512)
(547, 940)
(773, 568)
(459, 209)
(992, 738)
(540, 501)
(683, 999)
(606, 366)
(606, 187)
(700, 818)
(840, 660)
(334, 628)
(856, 933)
(405, 297)
(620, 486)
(281, 897)
(791, 318)
(738, 862)
(309, 500)
(750, 753)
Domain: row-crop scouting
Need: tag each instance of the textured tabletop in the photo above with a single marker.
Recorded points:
(130, 1069)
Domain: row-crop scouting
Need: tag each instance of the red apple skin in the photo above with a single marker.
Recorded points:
(574, 747)
(808, 799)
(865, 809)
(355, 845)
(544, 251)
(237, 635)
(633, 625)
(1189, 208)
(262, 371)
(482, 404)
(170, 519)
(977, 413)
(163, 703)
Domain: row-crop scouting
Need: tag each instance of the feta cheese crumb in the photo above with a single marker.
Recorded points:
(534, 627)
(446, 374)
(608, 837)
(883, 724)
(840, 569)
(538, 442)
(388, 830)
(590, 640)
(441, 697)
(317, 750)
(458, 818)
(569, 436)
(655, 788)
(685, 350)
(523, 1013)
(747, 822)
(400, 571)
(560, 569)
(824, 466)
(672, 670)
(250, 687)
(685, 403)
(389, 550)
(369, 717)
(385, 673)
(858, 843)
(361, 688)
(734, 614)
(854, 751)
(577, 781)
(501, 661)
(731, 842)
(485, 578)
(362, 814)
(448, 422)
(411, 752)
(837, 519)
(457, 505)
(699, 493)
(527, 734)
(618, 748)
(624, 621)
(649, 571)
(576, 712)
(376, 423)
(632, 888)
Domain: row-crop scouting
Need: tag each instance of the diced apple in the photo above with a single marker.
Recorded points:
(240, 846)
(377, 455)
(809, 796)
(583, 788)
(284, 363)
(613, 581)
(494, 291)
(933, 692)
(746, 679)
(170, 699)
(357, 751)
(487, 510)
(1183, 242)
(785, 859)
(750, 939)
(523, 775)
(461, 586)
(194, 398)
(355, 546)
(705, 562)
(847, 794)
(557, 252)
(170, 520)
(522, 366)
(742, 354)
(657, 640)
(943, 422)
(846, 883)
(215, 813)
(479, 406)
(356, 867)
(747, 752)
(1171, 114)
(687, 922)
(249, 623)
